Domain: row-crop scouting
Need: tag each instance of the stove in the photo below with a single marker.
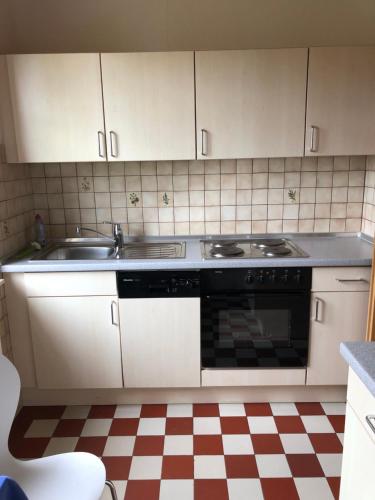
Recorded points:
(251, 248)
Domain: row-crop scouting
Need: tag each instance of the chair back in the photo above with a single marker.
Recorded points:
(9, 395)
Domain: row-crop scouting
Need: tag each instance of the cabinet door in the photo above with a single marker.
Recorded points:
(76, 342)
(357, 475)
(160, 342)
(149, 105)
(336, 317)
(251, 103)
(57, 107)
(341, 101)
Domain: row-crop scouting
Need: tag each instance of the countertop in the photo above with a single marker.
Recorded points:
(360, 356)
(324, 250)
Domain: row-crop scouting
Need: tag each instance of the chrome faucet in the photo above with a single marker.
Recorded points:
(118, 236)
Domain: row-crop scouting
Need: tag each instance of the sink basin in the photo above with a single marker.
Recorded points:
(84, 250)
(73, 252)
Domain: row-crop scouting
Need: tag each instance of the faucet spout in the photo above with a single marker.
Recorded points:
(80, 228)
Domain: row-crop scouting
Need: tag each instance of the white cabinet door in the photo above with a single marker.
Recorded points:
(357, 475)
(341, 101)
(336, 317)
(160, 340)
(57, 107)
(251, 103)
(76, 342)
(149, 105)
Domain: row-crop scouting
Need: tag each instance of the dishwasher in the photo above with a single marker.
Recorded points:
(160, 328)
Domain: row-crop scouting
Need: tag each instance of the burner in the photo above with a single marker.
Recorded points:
(269, 243)
(226, 251)
(276, 252)
(223, 243)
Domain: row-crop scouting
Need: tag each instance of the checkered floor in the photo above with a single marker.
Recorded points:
(248, 451)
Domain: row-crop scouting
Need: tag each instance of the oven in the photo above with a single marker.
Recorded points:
(255, 318)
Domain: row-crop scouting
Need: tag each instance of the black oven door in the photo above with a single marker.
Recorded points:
(255, 330)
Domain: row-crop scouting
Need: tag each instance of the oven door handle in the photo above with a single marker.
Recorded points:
(318, 317)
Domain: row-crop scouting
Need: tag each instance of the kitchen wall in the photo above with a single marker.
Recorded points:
(368, 221)
(16, 225)
(148, 25)
(210, 197)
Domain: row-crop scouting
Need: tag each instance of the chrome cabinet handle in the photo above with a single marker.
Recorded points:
(318, 310)
(352, 280)
(101, 140)
(314, 139)
(204, 142)
(113, 142)
(113, 303)
(370, 419)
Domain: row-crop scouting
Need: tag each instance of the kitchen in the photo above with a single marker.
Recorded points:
(209, 223)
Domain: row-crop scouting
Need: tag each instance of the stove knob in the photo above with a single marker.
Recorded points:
(272, 277)
(260, 278)
(188, 284)
(284, 277)
(250, 279)
(297, 277)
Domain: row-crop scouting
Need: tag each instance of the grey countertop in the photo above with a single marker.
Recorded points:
(323, 249)
(361, 358)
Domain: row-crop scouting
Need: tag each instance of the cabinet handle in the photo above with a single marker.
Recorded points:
(314, 139)
(112, 141)
(101, 140)
(352, 280)
(318, 310)
(113, 303)
(204, 142)
(370, 419)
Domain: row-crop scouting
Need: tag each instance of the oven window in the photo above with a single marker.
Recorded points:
(255, 330)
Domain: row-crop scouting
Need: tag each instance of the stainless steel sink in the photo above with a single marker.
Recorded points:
(77, 252)
(95, 249)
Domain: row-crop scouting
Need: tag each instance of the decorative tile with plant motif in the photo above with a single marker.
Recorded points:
(292, 195)
(134, 199)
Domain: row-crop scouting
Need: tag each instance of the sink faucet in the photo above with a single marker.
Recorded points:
(118, 236)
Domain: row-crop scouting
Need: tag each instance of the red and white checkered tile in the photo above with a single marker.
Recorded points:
(247, 451)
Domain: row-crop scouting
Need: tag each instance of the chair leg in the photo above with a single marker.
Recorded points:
(112, 489)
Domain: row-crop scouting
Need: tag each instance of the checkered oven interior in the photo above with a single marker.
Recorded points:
(235, 336)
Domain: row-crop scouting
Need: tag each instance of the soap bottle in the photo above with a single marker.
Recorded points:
(40, 231)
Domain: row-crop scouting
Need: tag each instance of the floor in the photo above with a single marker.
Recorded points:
(248, 451)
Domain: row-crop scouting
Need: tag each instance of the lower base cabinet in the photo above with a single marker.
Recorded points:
(337, 316)
(160, 340)
(76, 342)
(357, 474)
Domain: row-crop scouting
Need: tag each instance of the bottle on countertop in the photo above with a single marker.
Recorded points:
(40, 230)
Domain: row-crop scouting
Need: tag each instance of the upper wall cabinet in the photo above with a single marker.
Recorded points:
(57, 113)
(341, 101)
(251, 103)
(149, 105)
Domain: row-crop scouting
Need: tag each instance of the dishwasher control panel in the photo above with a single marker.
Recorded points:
(148, 284)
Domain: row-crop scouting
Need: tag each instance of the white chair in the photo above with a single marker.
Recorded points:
(69, 476)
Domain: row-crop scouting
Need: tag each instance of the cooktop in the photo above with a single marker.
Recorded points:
(253, 248)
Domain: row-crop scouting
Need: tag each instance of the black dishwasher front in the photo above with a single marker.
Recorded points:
(157, 284)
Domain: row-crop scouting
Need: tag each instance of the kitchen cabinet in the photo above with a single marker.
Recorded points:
(76, 342)
(357, 475)
(250, 103)
(74, 326)
(57, 111)
(339, 302)
(340, 101)
(149, 105)
(160, 340)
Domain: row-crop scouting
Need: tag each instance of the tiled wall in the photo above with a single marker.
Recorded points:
(228, 196)
(368, 220)
(16, 227)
